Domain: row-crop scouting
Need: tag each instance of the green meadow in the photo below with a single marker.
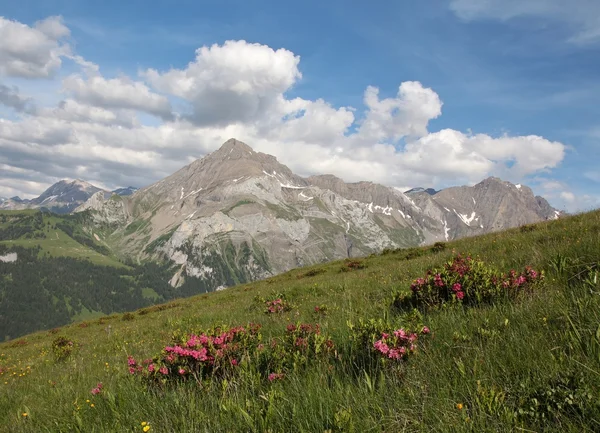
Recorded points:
(526, 363)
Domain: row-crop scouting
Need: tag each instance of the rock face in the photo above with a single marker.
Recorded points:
(62, 197)
(237, 215)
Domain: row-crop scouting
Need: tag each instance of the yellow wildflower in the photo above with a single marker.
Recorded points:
(146, 428)
(25, 414)
(459, 406)
(144, 423)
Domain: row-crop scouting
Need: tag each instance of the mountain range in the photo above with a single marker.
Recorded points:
(238, 215)
(63, 197)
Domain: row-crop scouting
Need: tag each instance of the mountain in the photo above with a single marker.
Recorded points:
(125, 191)
(429, 191)
(238, 215)
(62, 197)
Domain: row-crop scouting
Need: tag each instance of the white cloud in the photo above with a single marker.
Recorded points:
(32, 52)
(581, 16)
(567, 196)
(11, 97)
(117, 93)
(407, 115)
(234, 82)
(239, 89)
(73, 111)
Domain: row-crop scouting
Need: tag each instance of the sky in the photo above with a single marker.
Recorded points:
(403, 93)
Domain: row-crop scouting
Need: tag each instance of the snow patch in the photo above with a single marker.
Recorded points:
(473, 198)
(402, 213)
(192, 193)
(556, 214)
(191, 215)
(49, 198)
(306, 198)
(464, 218)
(284, 185)
(96, 237)
(385, 210)
(446, 230)
(370, 207)
(181, 196)
(518, 186)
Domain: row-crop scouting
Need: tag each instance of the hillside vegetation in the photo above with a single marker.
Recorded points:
(522, 359)
(64, 272)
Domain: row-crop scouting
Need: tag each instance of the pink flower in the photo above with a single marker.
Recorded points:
(151, 368)
(381, 346)
(456, 287)
(234, 362)
(131, 370)
(400, 333)
(163, 370)
(275, 376)
(181, 371)
(425, 330)
(460, 295)
(131, 361)
(98, 389)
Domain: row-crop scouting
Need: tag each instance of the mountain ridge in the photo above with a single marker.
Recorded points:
(237, 215)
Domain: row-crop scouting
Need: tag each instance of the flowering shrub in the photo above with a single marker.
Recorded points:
(62, 348)
(225, 352)
(209, 354)
(398, 344)
(376, 340)
(469, 281)
(277, 306)
(352, 265)
(301, 344)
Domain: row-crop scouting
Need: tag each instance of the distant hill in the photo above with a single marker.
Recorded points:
(62, 197)
(125, 191)
(54, 269)
(429, 191)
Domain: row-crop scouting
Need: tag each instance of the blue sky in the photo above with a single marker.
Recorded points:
(500, 68)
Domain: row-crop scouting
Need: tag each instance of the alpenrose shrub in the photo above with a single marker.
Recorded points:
(225, 352)
(468, 281)
(300, 345)
(215, 353)
(375, 340)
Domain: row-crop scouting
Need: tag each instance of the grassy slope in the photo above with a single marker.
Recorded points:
(57, 243)
(523, 347)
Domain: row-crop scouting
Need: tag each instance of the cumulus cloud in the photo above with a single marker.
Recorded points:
(117, 93)
(234, 82)
(32, 52)
(582, 16)
(240, 89)
(11, 97)
(407, 115)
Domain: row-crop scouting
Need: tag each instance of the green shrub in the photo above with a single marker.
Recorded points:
(63, 348)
